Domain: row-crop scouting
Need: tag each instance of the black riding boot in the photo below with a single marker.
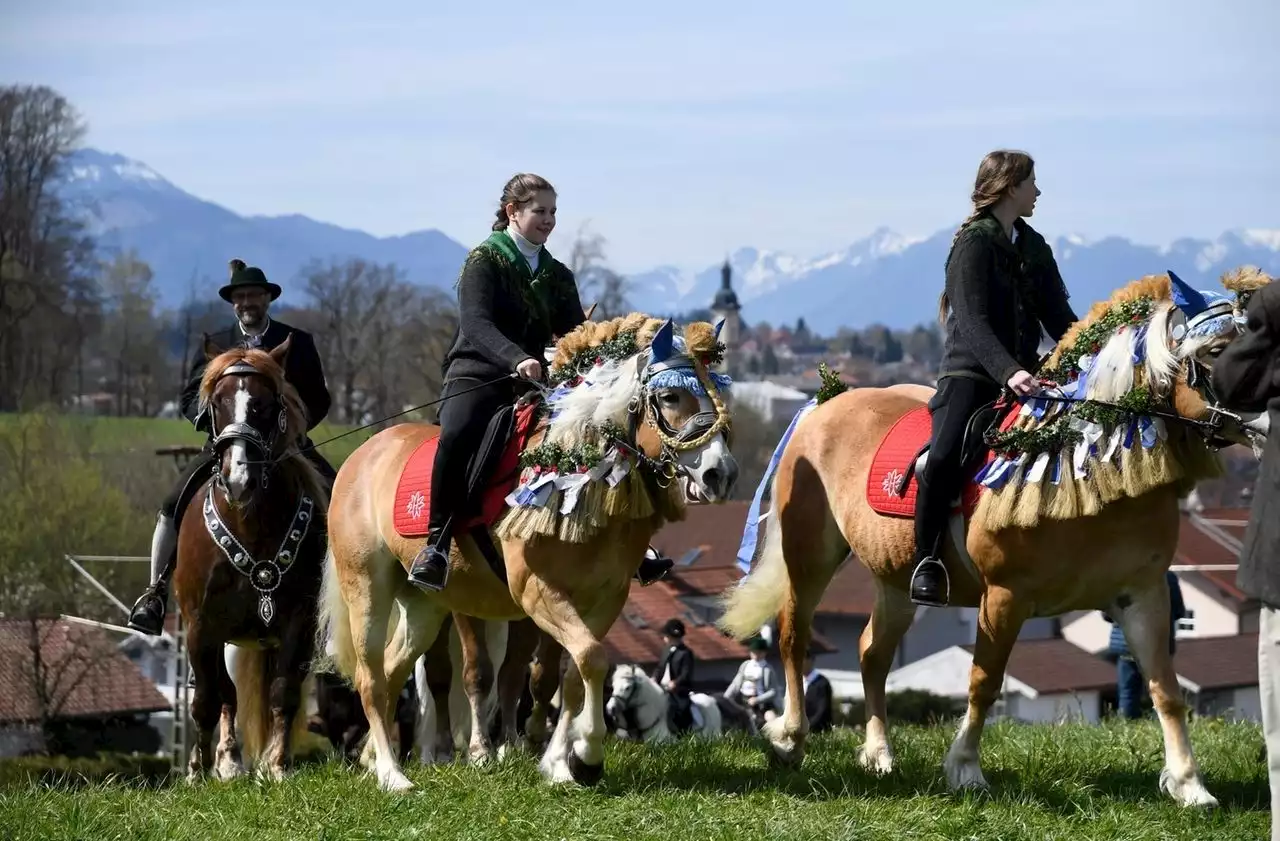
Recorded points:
(430, 570)
(930, 585)
(653, 568)
(147, 616)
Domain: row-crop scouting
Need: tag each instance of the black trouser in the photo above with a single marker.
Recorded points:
(463, 420)
(201, 468)
(681, 709)
(950, 409)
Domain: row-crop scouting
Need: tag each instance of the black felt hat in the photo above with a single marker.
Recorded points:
(243, 276)
(758, 644)
(674, 628)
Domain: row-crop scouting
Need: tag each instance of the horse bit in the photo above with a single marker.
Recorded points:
(264, 575)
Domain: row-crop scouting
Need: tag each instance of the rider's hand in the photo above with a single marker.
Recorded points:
(530, 369)
(751, 702)
(1023, 384)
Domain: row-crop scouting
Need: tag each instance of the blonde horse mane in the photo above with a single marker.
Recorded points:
(598, 366)
(264, 363)
(1106, 456)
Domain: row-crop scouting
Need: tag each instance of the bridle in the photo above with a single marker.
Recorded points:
(247, 432)
(627, 706)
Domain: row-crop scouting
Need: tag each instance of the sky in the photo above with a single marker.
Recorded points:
(681, 131)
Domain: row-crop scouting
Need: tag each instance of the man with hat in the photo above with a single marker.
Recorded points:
(753, 689)
(250, 295)
(675, 675)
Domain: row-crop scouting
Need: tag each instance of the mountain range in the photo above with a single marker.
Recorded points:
(885, 278)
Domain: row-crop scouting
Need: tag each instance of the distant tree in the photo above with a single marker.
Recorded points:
(884, 346)
(131, 337)
(769, 361)
(46, 260)
(597, 283)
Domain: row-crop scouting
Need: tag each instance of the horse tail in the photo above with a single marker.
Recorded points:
(759, 597)
(253, 712)
(253, 669)
(334, 645)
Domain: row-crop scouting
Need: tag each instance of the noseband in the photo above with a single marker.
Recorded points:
(247, 432)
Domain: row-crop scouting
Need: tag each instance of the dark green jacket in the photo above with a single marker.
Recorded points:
(1000, 293)
(506, 313)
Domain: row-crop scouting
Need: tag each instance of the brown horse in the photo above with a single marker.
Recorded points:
(637, 430)
(249, 565)
(1097, 531)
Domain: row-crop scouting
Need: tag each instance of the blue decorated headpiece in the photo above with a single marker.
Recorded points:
(1207, 313)
(670, 365)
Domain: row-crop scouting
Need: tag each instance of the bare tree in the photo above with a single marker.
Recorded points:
(59, 658)
(45, 258)
(596, 281)
(131, 338)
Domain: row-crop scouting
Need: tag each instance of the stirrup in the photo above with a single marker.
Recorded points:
(430, 569)
(926, 566)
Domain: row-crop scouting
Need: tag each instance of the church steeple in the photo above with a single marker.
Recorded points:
(725, 305)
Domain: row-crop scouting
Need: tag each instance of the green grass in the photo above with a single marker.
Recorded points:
(110, 436)
(1072, 781)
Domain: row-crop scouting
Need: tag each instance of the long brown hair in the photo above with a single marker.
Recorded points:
(999, 172)
(519, 191)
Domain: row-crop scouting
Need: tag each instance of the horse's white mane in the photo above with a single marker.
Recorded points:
(1111, 376)
(604, 396)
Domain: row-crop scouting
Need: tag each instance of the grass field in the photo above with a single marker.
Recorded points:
(1073, 781)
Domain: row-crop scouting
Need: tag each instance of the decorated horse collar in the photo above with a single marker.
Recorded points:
(265, 576)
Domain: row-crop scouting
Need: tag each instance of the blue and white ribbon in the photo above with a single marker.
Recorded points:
(750, 533)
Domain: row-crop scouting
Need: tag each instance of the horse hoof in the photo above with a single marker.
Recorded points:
(229, 769)
(965, 776)
(582, 773)
(879, 761)
(394, 780)
(1189, 792)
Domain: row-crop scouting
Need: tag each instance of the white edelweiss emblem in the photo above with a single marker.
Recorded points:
(417, 502)
(891, 481)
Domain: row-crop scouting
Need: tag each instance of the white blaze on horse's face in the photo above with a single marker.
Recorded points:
(711, 469)
(237, 474)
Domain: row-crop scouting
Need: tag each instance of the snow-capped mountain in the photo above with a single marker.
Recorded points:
(887, 277)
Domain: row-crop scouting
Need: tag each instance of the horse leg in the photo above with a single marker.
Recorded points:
(227, 761)
(418, 631)
(544, 678)
(577, 749)
(205, 704)
(369, 606)
(522, 642)
(890, 619)
(478, 642)
(434, 673)
(1000, 618)
(292, 664)
(1146, 628)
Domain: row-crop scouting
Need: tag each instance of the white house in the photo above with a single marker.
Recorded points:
(1046, 681)
(1220, 676)
(769, 399)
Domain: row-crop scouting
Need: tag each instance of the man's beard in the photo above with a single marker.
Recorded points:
(253, 319)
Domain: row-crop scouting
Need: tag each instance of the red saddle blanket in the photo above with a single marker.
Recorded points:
(413, 492)
(897, 450)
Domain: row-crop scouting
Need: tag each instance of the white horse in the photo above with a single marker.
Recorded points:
(637, 693)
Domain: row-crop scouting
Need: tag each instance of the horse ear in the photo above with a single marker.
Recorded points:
(281, 351)
(589, 310)
(719, 327)
(663, 341)
(1187, 299)
(211, 350)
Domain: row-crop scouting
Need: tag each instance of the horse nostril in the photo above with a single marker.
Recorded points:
(712, 478)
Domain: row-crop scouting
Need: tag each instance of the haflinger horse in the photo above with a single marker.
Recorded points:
(1078, 509)
(249, 566)
(634, 429)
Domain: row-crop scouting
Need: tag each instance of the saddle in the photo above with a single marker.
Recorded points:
(492, 473)
(891, 482)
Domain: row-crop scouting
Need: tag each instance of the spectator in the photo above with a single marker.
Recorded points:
(1246, 377)
(755, 685)
(675, 675)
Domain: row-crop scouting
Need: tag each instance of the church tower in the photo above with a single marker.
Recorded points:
(726, 306)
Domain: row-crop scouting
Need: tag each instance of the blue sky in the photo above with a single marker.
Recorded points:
(681, 130)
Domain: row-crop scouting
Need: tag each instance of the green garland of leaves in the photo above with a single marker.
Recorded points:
(620, 347)
(578, 458)
(832, 385)
(1053, 437)
(1092, 338)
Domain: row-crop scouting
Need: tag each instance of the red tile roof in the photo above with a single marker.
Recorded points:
(1211, 538)
(1218, 662)
(637, 635)
(718, 530)
(86, 676)
(1054, 666)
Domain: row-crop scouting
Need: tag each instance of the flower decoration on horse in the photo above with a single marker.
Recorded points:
(1129, 408)
(613, 386)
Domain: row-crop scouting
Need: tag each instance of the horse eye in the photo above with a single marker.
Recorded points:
(669, 398)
